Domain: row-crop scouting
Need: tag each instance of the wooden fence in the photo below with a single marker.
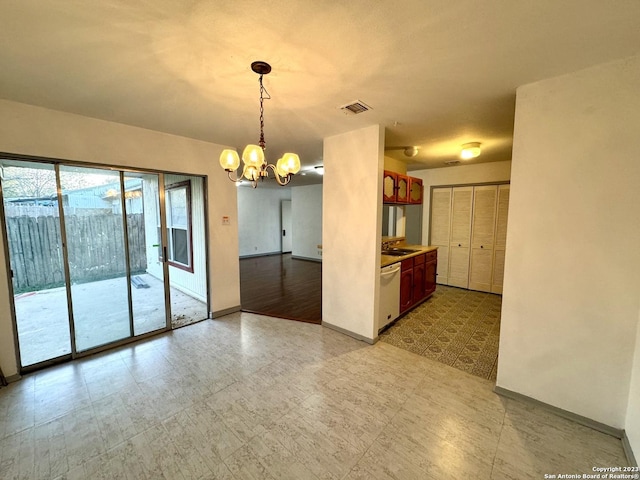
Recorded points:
(95, 246)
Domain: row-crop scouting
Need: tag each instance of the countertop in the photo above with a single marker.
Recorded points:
(386, 260)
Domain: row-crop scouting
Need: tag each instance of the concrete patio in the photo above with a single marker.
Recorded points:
(100, 315)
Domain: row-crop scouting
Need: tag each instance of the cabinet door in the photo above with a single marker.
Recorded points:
(418, 283)
(402, 195)
(430, 269)
(460, 236)
(502, 213)
(389, 184)
(406, 290)
(415, 190)
(483, 237)
(440, 227)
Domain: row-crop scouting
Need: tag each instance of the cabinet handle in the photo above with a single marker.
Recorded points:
(459, 244)
(481, 246)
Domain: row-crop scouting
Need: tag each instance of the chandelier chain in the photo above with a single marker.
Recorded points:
(262, 90)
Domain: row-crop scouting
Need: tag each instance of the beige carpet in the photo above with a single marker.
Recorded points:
(457, 327)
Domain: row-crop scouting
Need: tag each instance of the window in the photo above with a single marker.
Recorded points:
(179, 248)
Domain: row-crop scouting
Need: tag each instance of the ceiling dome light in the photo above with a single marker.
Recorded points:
(470, 150)
(411, 151)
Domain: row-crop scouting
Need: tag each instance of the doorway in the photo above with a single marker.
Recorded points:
(287, 237)
(93, 254)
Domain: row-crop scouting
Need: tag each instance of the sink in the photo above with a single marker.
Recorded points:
(398, 252)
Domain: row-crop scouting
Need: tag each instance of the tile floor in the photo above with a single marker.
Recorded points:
(457, 327)
(252, 397)
(43, 323)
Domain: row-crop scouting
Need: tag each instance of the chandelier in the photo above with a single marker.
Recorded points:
(255, 165)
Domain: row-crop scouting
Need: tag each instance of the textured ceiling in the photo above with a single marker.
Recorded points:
(437, 74)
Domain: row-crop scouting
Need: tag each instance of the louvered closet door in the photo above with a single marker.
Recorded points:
(441, 230)
(483, 237)
(459, 241)
(502, 213)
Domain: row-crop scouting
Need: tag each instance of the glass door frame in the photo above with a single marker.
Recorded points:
(122, 171)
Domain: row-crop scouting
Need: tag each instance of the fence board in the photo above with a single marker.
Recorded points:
(95, 245)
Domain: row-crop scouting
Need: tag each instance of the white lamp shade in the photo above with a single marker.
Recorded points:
(291, 163)
(253, 156)
(229, 159)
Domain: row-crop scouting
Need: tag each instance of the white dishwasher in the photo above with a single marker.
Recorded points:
(389, 295)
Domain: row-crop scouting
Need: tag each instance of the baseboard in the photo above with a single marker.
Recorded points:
(628, 451)
(587, 422)
(13, 378)
(350, 333)
(310, 259)
(268, 254)
(224, 311)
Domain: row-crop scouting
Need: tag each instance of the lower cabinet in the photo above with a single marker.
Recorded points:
(430, 269)
(417, 279)
(406, 288)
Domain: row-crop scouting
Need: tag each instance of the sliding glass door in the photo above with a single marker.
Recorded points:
(142, 206)
(96, 253)
(34, 240)
(94, 261)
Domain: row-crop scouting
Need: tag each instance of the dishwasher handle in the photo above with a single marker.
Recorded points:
(390, 272)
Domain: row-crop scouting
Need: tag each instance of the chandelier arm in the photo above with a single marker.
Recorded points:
(285, 180)
(237, 179)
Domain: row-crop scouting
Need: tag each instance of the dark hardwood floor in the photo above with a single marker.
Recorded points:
(281, 286)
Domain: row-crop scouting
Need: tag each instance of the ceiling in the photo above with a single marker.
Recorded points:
(436, 73)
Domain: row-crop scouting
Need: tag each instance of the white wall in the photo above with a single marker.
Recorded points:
(306, 215)
(47, 133)
(572, 276)
(353, 165)
(632, 423)
(259, 222)
(457, 175)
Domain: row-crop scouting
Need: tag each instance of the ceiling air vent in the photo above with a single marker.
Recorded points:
(355, 108)
(452, 162)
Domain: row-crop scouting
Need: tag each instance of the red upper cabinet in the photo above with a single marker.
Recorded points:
(402, 193)
(415, 190)
(401, 189)
(389, 186)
